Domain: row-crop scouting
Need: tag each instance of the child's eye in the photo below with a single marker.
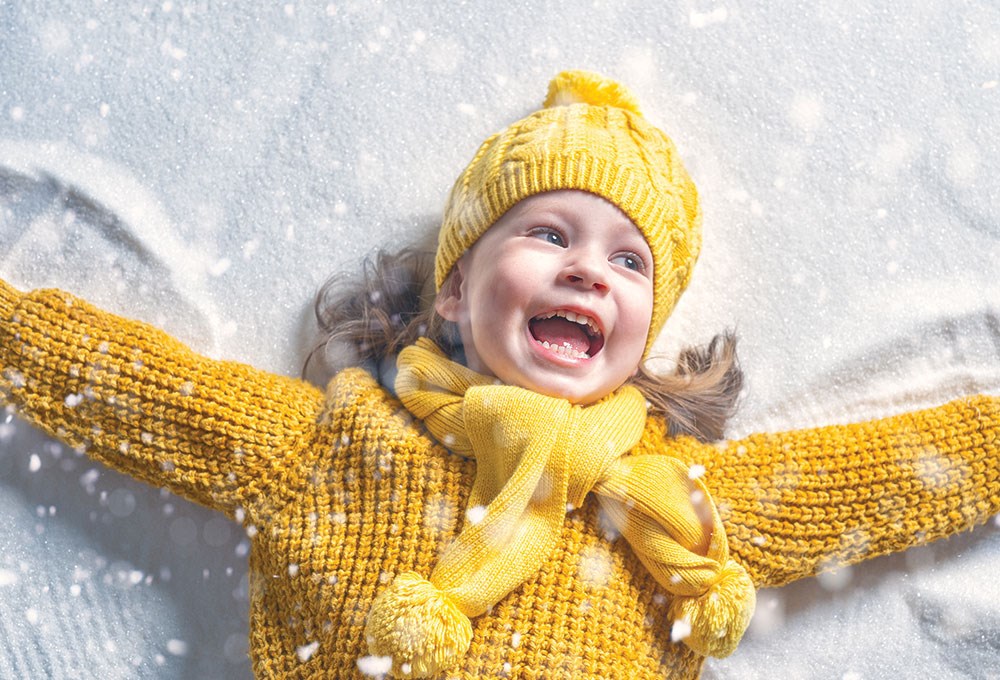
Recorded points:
(629, 261)
(549, 235)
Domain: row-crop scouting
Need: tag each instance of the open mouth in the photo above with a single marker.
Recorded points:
(572, 335)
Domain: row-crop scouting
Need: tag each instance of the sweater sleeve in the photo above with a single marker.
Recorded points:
(136, 399)
(799, 502)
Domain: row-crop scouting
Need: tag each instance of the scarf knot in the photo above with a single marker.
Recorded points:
(535, 456)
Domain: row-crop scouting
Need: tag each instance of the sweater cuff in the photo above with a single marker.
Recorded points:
(9, 297)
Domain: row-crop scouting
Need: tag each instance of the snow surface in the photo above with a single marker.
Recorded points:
(205, 168)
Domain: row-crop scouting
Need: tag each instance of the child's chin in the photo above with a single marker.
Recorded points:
(570, 390)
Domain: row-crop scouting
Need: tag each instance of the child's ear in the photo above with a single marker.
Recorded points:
(449, 303)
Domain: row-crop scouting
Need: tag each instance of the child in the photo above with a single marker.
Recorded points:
(525, 511)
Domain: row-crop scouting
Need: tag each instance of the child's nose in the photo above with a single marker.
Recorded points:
(588, 274)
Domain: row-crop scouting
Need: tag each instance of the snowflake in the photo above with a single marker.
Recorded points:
(375, 666)
(680, 630)
(177, 647)
(475, 514)
(596, 567)
(305, 652)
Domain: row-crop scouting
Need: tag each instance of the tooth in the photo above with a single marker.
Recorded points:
(564, 349)
(570, 316)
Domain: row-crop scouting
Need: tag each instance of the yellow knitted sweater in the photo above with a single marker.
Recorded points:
(342, 490)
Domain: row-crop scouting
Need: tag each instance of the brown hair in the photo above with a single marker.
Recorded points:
(368, 320)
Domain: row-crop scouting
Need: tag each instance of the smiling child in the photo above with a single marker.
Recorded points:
(525, 500)
(556, 297)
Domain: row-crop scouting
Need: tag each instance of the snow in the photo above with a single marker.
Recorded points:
(475, 514)
(596, 567)
(206, 169)
(375, 666)
(680, 629)
(305, 652)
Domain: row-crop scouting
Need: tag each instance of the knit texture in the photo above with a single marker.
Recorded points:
(534, 454)
(341, 491)
(589, 136)
(529, 450)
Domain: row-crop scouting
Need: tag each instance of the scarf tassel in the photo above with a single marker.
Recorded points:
(719, 616)
(419, 626)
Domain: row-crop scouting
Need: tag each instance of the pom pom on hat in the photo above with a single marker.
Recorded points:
(584, 87)
(418, 626)
(719, 616)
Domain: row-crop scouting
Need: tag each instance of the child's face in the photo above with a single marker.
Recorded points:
(555, 297)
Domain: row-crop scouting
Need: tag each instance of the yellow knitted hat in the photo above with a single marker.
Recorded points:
(590, 136)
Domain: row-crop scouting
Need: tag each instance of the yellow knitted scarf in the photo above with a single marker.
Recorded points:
(534, 456)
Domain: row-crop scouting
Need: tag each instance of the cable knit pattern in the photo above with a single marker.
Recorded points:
(342, 491)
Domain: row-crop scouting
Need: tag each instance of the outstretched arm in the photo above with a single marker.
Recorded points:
(797, 502)
(143, 403)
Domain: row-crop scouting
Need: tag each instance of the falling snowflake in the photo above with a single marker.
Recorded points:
(16, 378)
(680, 630)
(220, 267)
(305, 652)
(835, 579)
(702, 19)
(475, 514)
(177, 647)
(596, 567)
(375, 666)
